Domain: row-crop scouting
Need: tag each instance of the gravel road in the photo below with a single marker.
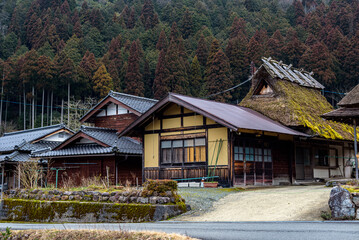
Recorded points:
(291, 203)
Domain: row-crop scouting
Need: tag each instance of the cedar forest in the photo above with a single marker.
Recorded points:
(50, 48)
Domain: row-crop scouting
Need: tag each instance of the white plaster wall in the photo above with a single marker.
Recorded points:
(320, 173)
(111, 110)
(58, 137)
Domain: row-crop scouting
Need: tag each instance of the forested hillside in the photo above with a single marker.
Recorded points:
(151, 47)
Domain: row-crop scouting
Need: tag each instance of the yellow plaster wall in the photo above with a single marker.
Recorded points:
(151, 150)
(171, 123)
(185, 110)
(213, 135)
(210, 121)
(190, 121)
(183, 132)
(154, 125)
(173, 109)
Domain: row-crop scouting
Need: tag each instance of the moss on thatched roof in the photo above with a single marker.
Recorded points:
(298, 106)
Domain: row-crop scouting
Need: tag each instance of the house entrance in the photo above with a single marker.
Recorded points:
(303, 165)
(252, 162)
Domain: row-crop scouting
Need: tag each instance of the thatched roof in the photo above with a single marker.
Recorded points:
(343, 114)
(295, 106)
(351, 99)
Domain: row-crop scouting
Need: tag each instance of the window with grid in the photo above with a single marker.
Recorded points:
(183, 151)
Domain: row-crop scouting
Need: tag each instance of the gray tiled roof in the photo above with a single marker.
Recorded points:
(140, 104)
(80, 149)
(39, 145)
(15, 156)
(105, 135)
(10, 140)
(124, 145)
(283, 71)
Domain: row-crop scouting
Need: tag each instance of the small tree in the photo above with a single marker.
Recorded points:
(102, 81)
(30, 173)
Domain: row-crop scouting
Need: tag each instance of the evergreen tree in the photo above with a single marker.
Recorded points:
(275, 45)
(162, 41)
(102, 82)
(255, 51)
(133, 80)
(213, 51)
(147, 79)
(293, 48)
(161, 85)
(186, 24)
(219, 77)
(298, 11)
(177, 77)
(195, 80)
(318, 59)
(238, 28)
(202, 51)
(148, 16)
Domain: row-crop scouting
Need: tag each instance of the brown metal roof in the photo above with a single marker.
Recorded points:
(231, 116)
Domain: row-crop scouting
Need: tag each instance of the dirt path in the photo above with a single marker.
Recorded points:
(294, 203)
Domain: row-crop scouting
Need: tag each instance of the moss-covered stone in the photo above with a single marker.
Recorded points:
(73, 211)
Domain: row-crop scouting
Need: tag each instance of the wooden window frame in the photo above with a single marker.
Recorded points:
(182, 163)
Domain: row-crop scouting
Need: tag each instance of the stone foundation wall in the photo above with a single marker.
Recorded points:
(86, 212)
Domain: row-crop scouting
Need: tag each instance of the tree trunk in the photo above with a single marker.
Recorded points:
(47, 108)
(62, 111)
(20, 106)
(6, 107)
(42, 107)
(24, 107)
(33, 108)
(68, 104)
(2, 95)
(52, 101)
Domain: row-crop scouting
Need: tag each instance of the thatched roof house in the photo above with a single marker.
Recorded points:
(348, 108)
(293, 97)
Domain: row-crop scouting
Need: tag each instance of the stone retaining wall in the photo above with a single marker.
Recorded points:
(90, 212)
(133, 196)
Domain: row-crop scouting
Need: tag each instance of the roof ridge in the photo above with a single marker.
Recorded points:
(34, 129)
(132, 96)
(84, 128)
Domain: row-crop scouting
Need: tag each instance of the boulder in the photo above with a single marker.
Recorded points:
(356, 200)
(340, 204)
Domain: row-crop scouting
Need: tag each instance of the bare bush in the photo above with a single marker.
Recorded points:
(30, 173)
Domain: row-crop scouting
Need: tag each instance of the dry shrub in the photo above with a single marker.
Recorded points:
(30, 174)
(93, 235)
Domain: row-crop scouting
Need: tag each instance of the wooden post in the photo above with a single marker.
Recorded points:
(355, 149)
(19, 176)
(2, 180)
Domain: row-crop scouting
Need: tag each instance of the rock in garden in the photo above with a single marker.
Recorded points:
(64, 198)
(78, 198)
(142, 200)
(341, 204)
(153, 200)
(356, 200)
(113, 199)
(68, 193)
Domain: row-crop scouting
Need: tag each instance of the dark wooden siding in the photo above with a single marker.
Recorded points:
(188, 172)
(118, 122)
(80, 168)
(282, 156)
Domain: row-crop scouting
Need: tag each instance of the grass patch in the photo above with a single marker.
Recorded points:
(93, 235)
